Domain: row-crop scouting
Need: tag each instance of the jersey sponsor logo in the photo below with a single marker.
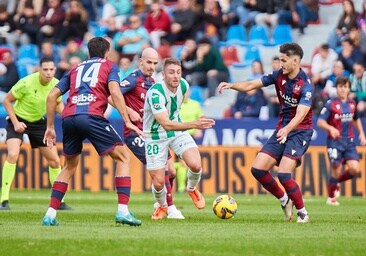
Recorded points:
(308, 96)
(289, 100)
(346, 117)
(83, 99)
(124, 83)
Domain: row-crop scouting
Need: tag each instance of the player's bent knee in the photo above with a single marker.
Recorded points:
(12, 157)
(195, 167)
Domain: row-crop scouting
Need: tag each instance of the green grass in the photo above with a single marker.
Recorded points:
(257, 229)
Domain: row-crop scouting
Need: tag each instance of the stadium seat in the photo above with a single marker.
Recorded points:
(251, 54)
(229, 55)
(258, 34)
(236, 34)
(22, 69)
(197, 93)
(28, 51)
(282, 34)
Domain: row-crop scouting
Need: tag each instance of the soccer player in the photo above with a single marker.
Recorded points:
(27, 116)
(134, 88)
(89, 85)
(164, 129)
(339, 117)
(293, 133)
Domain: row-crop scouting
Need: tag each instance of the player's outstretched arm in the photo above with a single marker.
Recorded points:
(241, 86)
(169, 125)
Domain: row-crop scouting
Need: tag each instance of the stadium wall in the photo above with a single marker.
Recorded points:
(226, 169)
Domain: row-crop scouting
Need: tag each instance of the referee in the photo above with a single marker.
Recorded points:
(27, 116)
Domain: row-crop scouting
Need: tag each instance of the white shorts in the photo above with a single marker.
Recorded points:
(157, 150)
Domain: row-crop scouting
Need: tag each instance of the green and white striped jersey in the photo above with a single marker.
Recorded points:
(158, 99)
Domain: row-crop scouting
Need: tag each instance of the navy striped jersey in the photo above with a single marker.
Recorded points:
(340, 115)
(134, 88)
(291, 93)
(88, 87)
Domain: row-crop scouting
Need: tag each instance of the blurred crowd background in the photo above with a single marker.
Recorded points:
(216, 40)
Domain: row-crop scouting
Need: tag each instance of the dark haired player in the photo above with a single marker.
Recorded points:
(89, 85)
(293, 133)
(339, 117)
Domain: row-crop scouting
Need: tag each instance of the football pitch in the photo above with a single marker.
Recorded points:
(257, 228)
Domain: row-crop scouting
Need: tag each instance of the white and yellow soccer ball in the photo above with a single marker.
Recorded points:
(224, 207)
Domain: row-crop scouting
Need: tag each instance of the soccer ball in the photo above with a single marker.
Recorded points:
(224, 207)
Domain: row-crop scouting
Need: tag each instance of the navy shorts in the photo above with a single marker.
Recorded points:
(341, 150)
(96, 129)
(35, 131)
(295, 146)
(136, 144)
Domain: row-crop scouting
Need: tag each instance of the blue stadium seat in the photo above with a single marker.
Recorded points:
(197, 93)
(282, 34)
(251, 54)
(236, 34)
(28, 51)
(258, 34)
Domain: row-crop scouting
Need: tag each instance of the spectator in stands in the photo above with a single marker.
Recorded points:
(188, 58)
(48, 49)
(231, 15)
(361, 18)
(300, 13)
(252, 9)
(350, 54)
(209, 22)
(133, 40)
(249, 104)
(358, 87)
(183, 23)
(91, 7)
(322, 65)
(269, 92)
(50, 21)
(125, 67)
(71, 50)
(26, 24)
(10, 6)
(210, 69)
(329, 90)
(346, 21)
(37, 5)
(119, 9)
(76, 22)
(11, 76)
(270, 16)
(157, 23)
(7, 28)
(358, 38)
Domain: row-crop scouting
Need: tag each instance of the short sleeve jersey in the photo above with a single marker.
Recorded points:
(291, 93)
(340, 114)
(88, 87)
(159, 99)
(31, 97)
(134, 88)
